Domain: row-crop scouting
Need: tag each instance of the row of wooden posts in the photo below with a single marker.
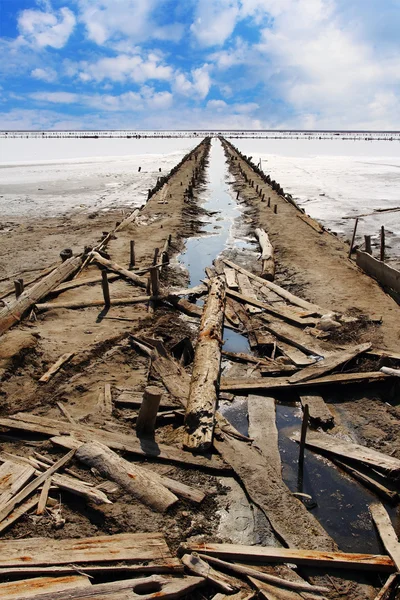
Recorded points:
(258, 190)
(367, 241)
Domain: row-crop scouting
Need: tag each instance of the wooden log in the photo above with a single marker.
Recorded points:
(230, 276)
(259, 575)
(134, 480)
(314, 558)
(203, 394)
(346, 451)
(56, 367)
(330, 363)
(267, 254)
(146, 420)
(15, 310)
(31, 487)
(89, 303)
(130, 547)
(320, 415)
(188, 308)
(389, 586)
(386, 532)
(130, 219)
(197, 566)
(113, 266)
(368, 481)
(263, 430)
(282, 383)
(50, 586)
(313, 308)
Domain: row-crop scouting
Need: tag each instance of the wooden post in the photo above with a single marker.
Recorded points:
(276, 209)
(106, 289)
(237, 195)
(368, 247)
(19, 287)
(170, 239)
(353, 238)
(269, 201)
(146, 420)
(304, 426)
(382, 256)
(132, 253)
(155, 281)
(156, 251)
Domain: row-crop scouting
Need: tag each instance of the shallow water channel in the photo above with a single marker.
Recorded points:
(340, 503)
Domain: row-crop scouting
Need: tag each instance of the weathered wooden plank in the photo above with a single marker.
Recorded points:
(282, 383)
(12, 478)
(320, 415)
(316, 558)
(56, 367)
(382, 272)
(116, 441)
(69, 285)
(18, 512)
(253, 305)
(271, 592)
(286, 332)
(160, 565)
(196, 565)
(350, 451)
(386, 532)
(230, 276)
(329, 363)
(246, 294)
(31, 588)
(263, 430)
(131, 547)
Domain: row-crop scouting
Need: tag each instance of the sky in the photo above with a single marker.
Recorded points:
(206, 64)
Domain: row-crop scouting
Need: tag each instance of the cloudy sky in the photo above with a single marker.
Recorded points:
(112, 64)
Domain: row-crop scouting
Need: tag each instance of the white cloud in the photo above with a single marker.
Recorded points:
(123, 68)
(55, 97)
(47, 74)
(47, 28)
(198, 86)
(214, 21)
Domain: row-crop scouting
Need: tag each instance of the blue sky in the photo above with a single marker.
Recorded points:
(114, 64)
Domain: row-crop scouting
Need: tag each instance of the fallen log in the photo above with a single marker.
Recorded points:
(197, 566)
(319, 413)
(203, 393)
(282, 383)
(263, 430)
(313, 308)
(113, 266)
(349, 451)
(330, 363)
(267, 254)
(56, 367)
(131, 478)
(15, 310)
(315, 558)
(188, 308)
(89, 303)
(386, 532)
(249, 572)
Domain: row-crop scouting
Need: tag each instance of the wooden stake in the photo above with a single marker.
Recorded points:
(276, 209)
(132, 253)
(269, 201)
(353, 238)
(106, 289)
(382, 256)
(155, 282)
(19, 287)
(43, 497)
(156, 252)
(368, 247)
(304, 426)
(148, 411)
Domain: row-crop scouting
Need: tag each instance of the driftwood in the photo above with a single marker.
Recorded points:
(133, 479)
(56, 367)
(196, 565)
(74, 304)
(15, 310)
(112, 266)
(263, 430)
(386, 532)
(267, 254)
(203, 394)
(320, 415)
(329, 363)
(349, 451)
(249, 572)
(315, 558)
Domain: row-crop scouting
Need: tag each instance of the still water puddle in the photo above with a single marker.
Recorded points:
(338, 502)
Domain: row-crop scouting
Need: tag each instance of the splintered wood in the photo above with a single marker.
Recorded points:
(203, 394)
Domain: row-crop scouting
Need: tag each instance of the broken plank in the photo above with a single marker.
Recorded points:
(18, 512)
(31, 588)
(315, 558)
(113, 266)
(320, 415)
(160, 565)
(12, 478)
(108, 405)
(56, 367)
(33, 485)
(197, 566)
(271, 592)
(230, 276)
(349, 451)
(329, 363)
(132, 547)
(313, 308)
(246, 293)
(262, 428)
(297, 357)
(79, 488)
(311, 222)
(44, 494)
(386, 532)
(302, 586)
(250, 358)
(134, 400)
(90, 303)
(282, 383)
(242, 595)
(291, 335)
(117, 441)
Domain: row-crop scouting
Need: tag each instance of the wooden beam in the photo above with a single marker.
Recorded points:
(315, 558)
(32, 588)
(70, 285)
(74, 304)
(320, 415)
(113, 266)
(263, 430)
(386, 532)
(383, 273)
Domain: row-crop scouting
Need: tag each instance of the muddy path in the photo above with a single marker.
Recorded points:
(217, 218)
